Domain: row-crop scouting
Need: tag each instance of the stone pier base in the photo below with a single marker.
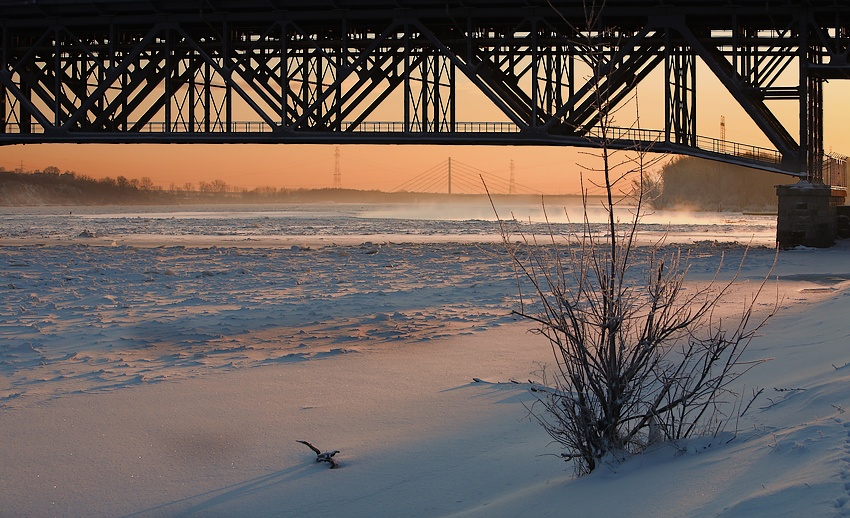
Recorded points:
(807, 215)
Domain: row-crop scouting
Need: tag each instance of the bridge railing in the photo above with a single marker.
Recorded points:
(264, 127)
(362, 127)
(161, 127)
(200, 127)
(726, 147)
(459, 127)
(644, 138)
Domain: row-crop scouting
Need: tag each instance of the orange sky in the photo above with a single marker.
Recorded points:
(545, 169)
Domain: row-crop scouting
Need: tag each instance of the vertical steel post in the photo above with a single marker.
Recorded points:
(57, 80)
(341, 65)
(426, 89)
(692, 101)
(207, 96)
(284, 74)
(535, 85)
(192, 82)
(125, 71)
(803, 57)
(668, 115)
(453, 104)
(169, 63)
(25, 117)
(228, 81)
(407, 94)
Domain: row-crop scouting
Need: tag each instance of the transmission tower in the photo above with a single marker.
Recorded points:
(512, 185)
(337, 173)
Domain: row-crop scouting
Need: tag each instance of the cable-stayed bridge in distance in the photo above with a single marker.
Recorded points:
(454, 177)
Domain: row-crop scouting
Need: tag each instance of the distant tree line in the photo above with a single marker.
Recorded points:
(687, 183)
(50, 186)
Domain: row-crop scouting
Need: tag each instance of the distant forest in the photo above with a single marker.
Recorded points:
(52, 187)
(687, 183)
(684, 183)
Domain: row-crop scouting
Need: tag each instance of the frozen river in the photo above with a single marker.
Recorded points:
(473, 221)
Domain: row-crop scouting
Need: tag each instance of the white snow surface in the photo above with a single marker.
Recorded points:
(163, 363)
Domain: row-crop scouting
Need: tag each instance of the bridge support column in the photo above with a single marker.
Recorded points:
(807, 214)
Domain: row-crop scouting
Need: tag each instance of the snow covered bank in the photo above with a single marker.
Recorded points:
(224, 357)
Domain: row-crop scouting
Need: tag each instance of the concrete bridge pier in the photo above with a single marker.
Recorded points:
(807, 214)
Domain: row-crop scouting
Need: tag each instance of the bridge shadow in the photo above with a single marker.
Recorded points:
(203, 503)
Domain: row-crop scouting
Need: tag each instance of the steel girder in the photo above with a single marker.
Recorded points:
(147, 72)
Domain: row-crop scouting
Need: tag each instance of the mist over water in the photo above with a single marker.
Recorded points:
(685, 226)
(555, 212)
(471, 219)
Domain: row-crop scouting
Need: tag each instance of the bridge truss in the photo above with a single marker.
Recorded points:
(328, 71)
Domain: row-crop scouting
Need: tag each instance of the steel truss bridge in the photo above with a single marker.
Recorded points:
(329, 71)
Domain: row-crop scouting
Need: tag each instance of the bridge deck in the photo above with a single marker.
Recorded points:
(394, 132)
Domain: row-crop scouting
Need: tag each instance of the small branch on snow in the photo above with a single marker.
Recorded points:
(509, 382)
(327, 456)
(532, 386)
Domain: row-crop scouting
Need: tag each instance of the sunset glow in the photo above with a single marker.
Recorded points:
(550, 170)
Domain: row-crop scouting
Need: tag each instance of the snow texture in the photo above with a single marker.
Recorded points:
(147, 370)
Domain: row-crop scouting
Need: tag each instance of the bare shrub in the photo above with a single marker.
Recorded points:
(637, 359)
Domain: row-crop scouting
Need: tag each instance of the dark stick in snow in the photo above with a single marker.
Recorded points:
(327, 456)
